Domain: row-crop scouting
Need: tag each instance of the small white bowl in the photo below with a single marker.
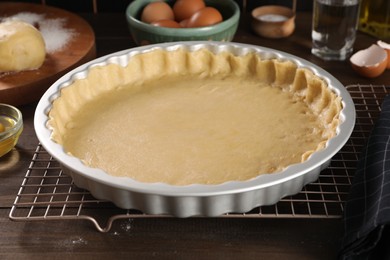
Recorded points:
(273, 21)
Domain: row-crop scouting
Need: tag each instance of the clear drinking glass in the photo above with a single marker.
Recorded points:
(334, 28)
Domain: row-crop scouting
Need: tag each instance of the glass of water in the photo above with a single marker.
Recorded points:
(334, 28)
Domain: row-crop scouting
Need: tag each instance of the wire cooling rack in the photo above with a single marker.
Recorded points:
(46, 193)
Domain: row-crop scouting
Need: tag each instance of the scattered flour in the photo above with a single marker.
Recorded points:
(55, 34)
(30, 18)
(79, 241)
(53, 31)
(127, 225)
(70, 244)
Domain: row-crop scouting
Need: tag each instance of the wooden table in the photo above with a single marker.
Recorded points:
(197, 238)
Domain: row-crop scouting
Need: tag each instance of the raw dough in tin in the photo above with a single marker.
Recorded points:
(195, 117)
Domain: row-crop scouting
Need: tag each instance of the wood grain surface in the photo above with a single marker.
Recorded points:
(28, 86)
(173, 238)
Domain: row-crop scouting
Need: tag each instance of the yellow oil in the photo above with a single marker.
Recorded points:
(375, 18)
(7, 122)
(7, 140)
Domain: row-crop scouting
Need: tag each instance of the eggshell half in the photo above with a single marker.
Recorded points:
(386, 47)
(370, 62)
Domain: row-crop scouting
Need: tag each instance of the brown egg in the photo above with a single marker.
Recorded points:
(156, 11)
(166, 23)
(184, 9)
(370, 62)
(205, 17)
(183, 23)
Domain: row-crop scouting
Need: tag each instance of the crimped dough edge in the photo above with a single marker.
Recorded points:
(140, 68)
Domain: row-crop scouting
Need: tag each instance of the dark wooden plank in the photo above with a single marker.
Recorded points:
(170, 238)
(198, 238)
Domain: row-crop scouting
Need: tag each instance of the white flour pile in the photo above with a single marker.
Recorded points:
(53, 31)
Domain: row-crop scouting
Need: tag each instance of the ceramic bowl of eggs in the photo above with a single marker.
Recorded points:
(152, 21)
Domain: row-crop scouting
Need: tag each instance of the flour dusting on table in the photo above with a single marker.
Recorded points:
(53, 30)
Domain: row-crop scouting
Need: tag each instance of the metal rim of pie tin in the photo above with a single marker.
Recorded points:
(196, 199)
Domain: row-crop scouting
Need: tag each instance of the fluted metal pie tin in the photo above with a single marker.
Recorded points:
(194, 200)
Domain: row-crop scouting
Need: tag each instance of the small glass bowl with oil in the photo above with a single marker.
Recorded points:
(11, 126)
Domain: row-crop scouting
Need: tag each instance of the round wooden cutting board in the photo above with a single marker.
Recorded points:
(28, 86)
